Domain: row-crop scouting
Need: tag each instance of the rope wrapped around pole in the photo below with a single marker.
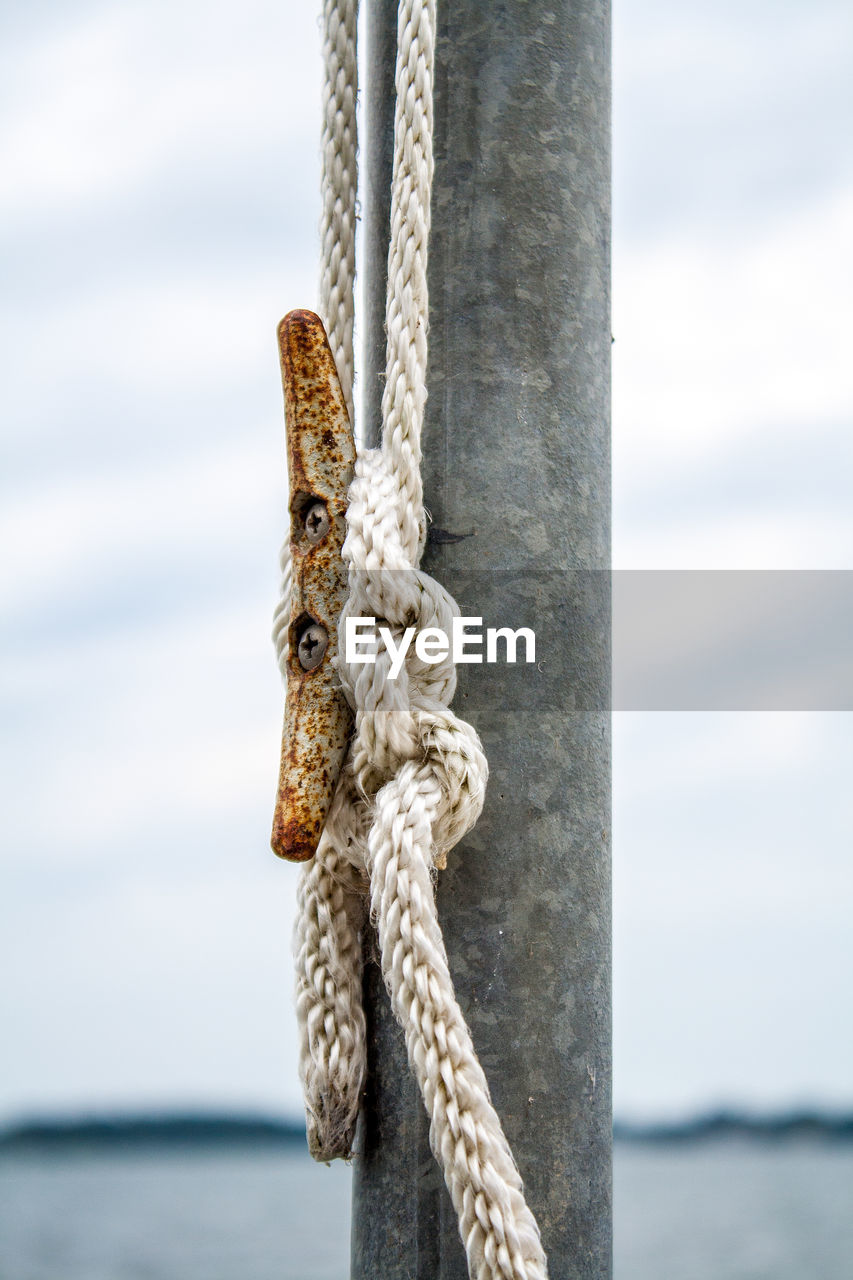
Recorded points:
(414, 780)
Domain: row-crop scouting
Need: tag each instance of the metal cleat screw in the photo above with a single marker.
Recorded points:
(316, 522)
(312, 645)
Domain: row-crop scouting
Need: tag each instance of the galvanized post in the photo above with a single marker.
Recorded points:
(517, 460)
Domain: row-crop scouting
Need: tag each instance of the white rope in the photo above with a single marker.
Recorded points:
(339, 185)
(414, 779)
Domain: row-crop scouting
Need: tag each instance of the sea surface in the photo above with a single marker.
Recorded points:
(727, 1210)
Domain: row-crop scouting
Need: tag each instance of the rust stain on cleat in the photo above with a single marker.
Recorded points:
(320, 460)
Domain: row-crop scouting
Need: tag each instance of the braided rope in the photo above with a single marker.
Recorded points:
(327, 953)
(338, 185)
(407, 303)
(414, 780)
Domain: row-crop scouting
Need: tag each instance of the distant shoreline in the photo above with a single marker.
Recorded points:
(188, 1131)
(135, 1132)
(780, 1127)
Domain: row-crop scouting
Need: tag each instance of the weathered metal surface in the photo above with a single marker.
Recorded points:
(516, 446)
(320, 459)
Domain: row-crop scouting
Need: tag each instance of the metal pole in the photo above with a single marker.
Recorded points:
(516, 459)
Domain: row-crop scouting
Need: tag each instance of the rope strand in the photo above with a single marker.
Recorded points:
(338, 186)
(407, 304)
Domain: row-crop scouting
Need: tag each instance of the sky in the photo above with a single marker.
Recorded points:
(158, 215)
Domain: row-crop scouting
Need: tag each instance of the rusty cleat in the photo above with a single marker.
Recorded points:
(320, 460)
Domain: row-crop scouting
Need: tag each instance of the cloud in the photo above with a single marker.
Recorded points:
(101, 552)
(721, 352)
(161, 171)
(731, 929)
(156, 993)
(715, 338)
(724, 114)
(92, 123)
(157, 223)
(137, 758)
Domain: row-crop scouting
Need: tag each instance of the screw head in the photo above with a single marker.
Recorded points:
(312, 646)
(316, 522)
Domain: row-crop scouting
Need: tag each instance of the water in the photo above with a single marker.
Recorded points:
(201, 1216)
(734, 1211)
(728, 1211)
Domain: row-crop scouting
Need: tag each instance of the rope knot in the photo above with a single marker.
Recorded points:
(401, 700)
(415, 776)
